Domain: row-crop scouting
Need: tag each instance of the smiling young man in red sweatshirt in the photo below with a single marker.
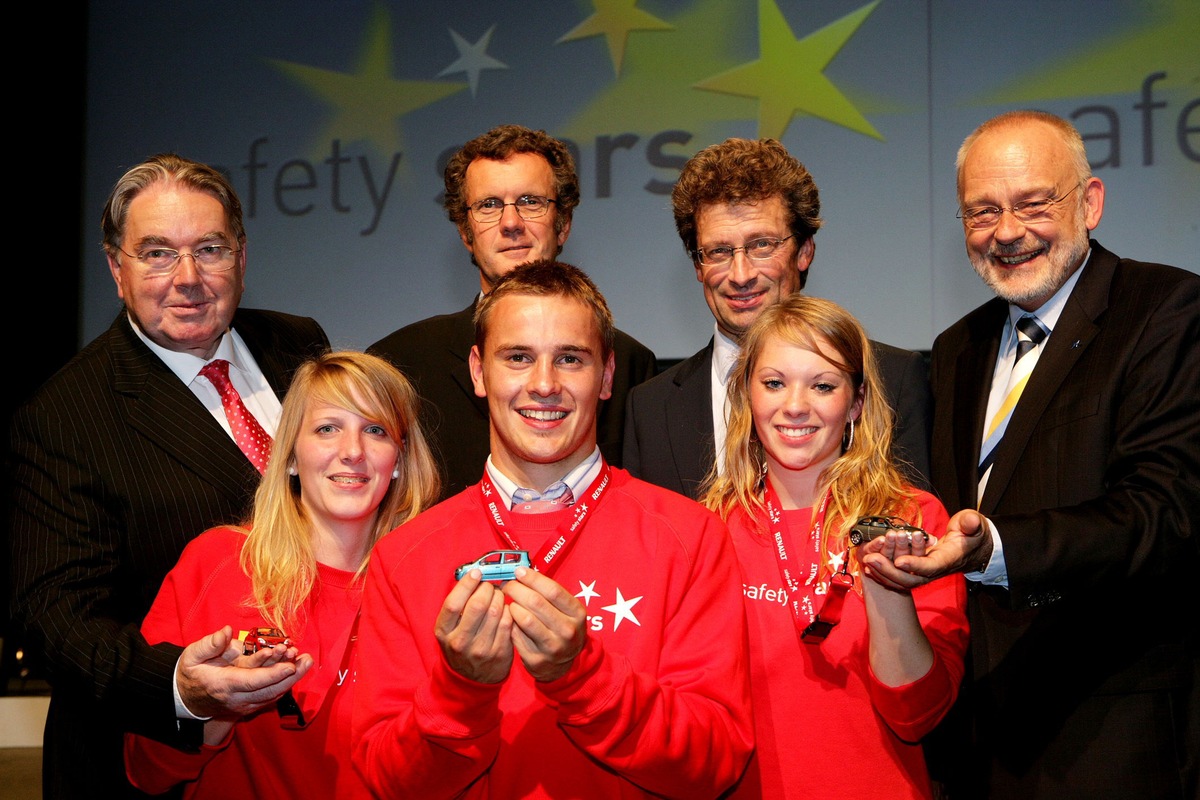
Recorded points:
(617, 666)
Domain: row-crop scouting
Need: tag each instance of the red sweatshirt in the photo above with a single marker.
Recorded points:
(656, 702)
(207, 590)
(824, 726)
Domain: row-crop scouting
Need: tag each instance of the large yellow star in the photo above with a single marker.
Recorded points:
(788, 76)
(368, 102)
(614, 19)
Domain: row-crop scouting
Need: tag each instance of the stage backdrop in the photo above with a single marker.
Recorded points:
(334, 119)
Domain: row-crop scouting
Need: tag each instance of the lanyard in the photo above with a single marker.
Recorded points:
(547, 558)
(812, 625)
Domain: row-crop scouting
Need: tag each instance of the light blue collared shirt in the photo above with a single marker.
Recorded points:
(577, 480)
(996, 571)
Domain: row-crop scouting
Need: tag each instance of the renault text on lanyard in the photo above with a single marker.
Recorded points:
(547, 558)
(813, 626)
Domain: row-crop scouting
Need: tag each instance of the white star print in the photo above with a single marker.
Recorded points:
(622, 610)
(472, 58)
(587, 592)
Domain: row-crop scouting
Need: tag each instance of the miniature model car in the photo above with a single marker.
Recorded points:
(868, 528)
(262, 638)
(497, 566)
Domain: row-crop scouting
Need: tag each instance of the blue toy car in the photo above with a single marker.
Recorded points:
(497, 566)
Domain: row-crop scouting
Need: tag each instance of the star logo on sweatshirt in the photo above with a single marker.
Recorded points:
(623, 610)
(586, 592)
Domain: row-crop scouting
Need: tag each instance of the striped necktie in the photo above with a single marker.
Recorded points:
(1029, 335)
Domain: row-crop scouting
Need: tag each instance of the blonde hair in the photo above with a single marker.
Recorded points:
(278, 554)
(864, 480)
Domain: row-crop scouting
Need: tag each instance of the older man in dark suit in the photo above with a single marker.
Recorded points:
(747, 212)
(511, 192)
(1082, 553)
(126, 454)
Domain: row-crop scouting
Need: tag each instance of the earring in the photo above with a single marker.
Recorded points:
(848, 439)
(395, 473)
(292, 470)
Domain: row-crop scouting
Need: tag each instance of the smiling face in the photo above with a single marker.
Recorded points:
(1026, 263)
(801, 404)
(345, 463)
(738, 292)
(498, 246)
(187, 310)
(543, 374)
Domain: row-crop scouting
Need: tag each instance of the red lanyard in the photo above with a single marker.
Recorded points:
(547, 558)
(812, 625)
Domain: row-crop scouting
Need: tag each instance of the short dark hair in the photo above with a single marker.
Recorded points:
(548, 278)
(499, 144)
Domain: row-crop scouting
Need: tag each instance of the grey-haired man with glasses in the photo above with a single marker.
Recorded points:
(1078, 534)
(747, 212)
(123, 457)
(511, 193)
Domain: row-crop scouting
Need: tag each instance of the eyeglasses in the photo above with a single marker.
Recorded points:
(209, 259)
(719, 256)
(984, 217)
(529, 206)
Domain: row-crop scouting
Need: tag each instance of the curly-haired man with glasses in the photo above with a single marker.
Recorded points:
(747, 212)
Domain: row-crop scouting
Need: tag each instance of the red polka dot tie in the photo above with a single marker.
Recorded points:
(248, 434)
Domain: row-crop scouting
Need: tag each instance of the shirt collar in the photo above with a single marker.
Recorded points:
(1048, 312)
(725, 356)
(577, 480)
(185, 365)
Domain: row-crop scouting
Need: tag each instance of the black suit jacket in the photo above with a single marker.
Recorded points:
(1085, 680)
(669, 429)
(433, 353)
(116, 465)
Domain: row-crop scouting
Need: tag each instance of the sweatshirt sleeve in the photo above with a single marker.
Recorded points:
(152, 766)
(913, 710)
(425, 731)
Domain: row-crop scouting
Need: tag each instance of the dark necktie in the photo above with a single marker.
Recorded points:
(249, 435)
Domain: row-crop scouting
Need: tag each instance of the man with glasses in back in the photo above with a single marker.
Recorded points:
(1067, 424)
(511, 193)
(747, 211)
(125, 455)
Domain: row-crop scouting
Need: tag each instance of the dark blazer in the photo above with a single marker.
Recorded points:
(116, 465)
(433, 353)
(669, 429)
(1086, 678)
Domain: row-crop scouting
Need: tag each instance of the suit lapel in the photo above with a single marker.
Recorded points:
(165, 411)
(1068, 342)
(459, 344)
(975, 364)
(689, 418)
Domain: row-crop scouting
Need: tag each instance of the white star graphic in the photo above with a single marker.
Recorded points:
(587, 591)
(472, 58)
(835, 561)
(622, 610)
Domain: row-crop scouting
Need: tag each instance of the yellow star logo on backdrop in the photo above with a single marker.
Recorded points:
(368, 102)
(788, 76)
(655, 93)
(614, 19)
(1118, 65)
